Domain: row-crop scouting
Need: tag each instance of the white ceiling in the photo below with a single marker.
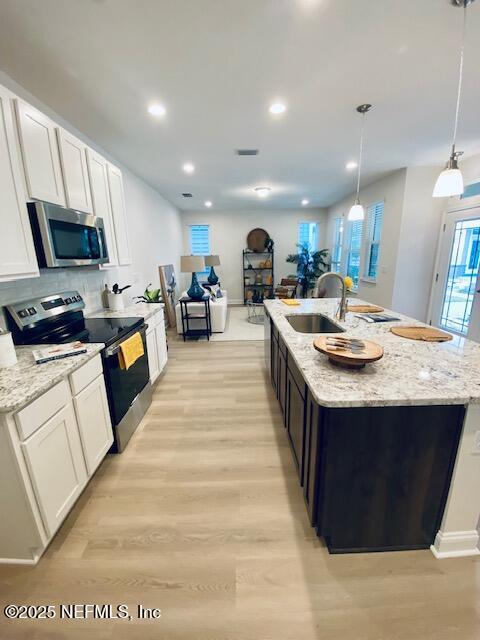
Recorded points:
(218, 64)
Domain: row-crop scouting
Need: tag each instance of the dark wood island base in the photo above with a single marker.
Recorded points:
(373, 478)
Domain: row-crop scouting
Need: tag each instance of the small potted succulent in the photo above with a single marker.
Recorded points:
(150, 296)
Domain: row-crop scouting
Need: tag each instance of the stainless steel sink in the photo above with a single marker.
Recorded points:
(313, 323)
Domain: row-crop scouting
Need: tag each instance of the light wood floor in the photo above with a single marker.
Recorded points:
(202, 516)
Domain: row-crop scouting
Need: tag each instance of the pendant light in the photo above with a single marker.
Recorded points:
(450, 181)
(357, 212)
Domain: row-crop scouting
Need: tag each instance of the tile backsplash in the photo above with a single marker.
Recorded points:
(88, 281)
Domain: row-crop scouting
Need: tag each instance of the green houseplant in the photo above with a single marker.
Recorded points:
(310, 266)
(150, 295)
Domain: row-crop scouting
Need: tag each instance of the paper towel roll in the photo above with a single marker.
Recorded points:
(8, 357)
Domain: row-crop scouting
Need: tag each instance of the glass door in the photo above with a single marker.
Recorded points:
(456, 287)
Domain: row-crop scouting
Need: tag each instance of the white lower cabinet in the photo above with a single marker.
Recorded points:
(152, 351)
(48, 451)
(57, 469)
(91, 407)
(156, 345)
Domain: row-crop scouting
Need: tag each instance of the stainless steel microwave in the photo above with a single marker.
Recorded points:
(66, 237)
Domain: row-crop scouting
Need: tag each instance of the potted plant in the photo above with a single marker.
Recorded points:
(150, 296)
(310, 266)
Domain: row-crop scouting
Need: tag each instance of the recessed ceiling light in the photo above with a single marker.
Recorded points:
(188, 167)
(208, 203)
(305, 202)
(262, 192)
(350, 166)
(277, 107)
(156, 109)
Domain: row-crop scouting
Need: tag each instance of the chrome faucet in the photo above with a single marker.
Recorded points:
(342, 309)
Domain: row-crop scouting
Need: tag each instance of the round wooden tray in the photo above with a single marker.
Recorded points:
(427, 334)
(257, 239)
(371, 353)
(364, 308)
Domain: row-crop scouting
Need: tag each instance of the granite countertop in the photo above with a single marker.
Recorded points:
(143, 310)
(26, 380)
(411, 372)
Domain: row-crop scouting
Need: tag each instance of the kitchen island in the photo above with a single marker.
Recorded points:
(385, 454)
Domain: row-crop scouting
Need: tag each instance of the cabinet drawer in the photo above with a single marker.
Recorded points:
(39, 411)
(82, 377)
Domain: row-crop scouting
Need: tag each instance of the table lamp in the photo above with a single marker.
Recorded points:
(212, 261)
(192, 264)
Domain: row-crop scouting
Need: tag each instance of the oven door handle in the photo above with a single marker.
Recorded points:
(114, 349)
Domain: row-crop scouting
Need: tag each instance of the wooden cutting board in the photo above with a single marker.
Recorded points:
(357, 360)
(364, 308)
(427, 334)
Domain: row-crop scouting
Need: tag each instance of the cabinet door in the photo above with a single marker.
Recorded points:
(152, 355)
(282, 380)
(119, 213)
(40, 154)
(295, 422)
(97, 170)
(274, 364)
(17, 257)
(91, 407)
(161, 340)
(57, 469)
(312, 458)
(75, 173)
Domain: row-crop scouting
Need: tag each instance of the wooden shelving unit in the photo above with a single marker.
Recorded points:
(251, 261)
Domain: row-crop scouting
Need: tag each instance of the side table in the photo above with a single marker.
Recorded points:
(197, 314)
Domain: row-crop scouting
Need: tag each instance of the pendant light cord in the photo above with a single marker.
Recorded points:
(460, 78)
(360, 156)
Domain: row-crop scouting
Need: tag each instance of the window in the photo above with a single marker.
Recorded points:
(372, 239)
(308, 234)
(354, 251)
(200, 243)
(471, 191)
(337, 244)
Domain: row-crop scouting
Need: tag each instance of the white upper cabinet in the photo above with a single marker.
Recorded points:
(75, 174)
(17, 256)
(98, 172)
(117, 201)
(41, 159)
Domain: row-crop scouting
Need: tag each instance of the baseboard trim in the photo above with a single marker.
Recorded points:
(456, 544)
(30, 561)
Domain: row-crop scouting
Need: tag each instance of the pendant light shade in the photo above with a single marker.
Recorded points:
(450, 181)
(357, 212)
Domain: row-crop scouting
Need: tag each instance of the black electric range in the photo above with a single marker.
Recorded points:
(58, 319)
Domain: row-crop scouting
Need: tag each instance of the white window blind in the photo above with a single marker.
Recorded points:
(200, 242)
(308, 235)
(354, 251)
(337, 244)
(372, 239)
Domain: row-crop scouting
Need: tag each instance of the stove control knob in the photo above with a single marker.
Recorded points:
(32, 311)
(23, 313)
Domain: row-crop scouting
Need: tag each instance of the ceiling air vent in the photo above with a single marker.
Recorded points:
(187, 195)
(246, 152)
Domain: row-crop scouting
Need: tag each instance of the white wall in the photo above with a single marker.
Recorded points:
(391, 189)
(228, 237)
(409, 239)
(417, 243)
(154, 230)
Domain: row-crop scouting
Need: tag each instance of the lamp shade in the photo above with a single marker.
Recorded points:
(190, 264)
(356, 213)
(449, 183)
(212, 261)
